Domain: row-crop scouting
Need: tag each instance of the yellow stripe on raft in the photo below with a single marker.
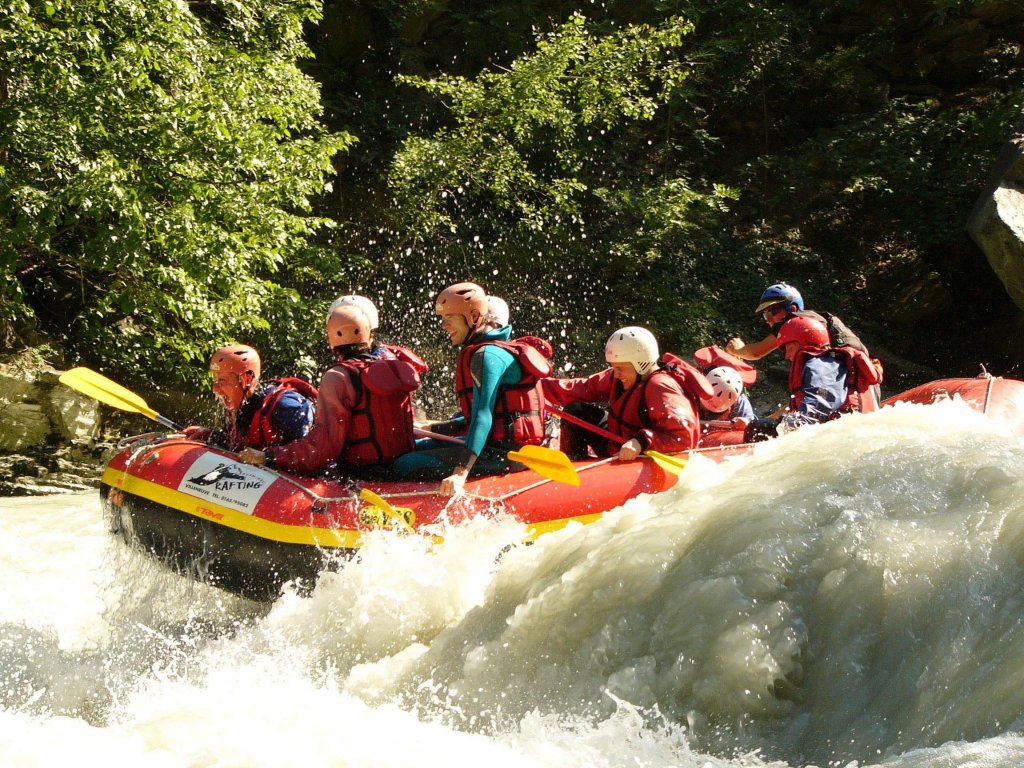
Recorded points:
(267, 529)
(230, 518)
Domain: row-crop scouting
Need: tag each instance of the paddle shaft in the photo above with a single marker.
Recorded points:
(546, 462)
(435, 436)
(565, 416)
(666, 462)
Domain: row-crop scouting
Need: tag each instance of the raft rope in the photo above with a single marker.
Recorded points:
(353, 489)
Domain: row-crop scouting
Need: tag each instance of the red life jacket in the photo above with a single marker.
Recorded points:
(710, 357)
(862, 375)
(395, 352)
(518, 409)
(380, 428)
(627, 415)
(262, 431)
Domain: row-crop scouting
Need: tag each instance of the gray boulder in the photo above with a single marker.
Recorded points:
(997, 222)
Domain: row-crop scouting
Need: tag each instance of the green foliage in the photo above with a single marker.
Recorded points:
(521, 137)
(550, 165)
(165, 180)
(159, 169)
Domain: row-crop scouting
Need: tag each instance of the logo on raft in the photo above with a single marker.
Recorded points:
(231, 484)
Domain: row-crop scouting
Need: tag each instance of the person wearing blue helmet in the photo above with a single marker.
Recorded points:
(778, 303)
(781, 303)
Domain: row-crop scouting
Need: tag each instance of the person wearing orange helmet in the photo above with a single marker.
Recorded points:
(254, 414)
(497, 380)
(364, 414)
(377, 348)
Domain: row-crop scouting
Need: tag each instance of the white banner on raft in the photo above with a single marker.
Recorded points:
(228, 483)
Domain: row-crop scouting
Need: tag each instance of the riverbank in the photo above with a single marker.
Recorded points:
(52, 439)
(52, 470)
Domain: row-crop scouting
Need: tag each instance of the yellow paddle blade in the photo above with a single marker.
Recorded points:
(547, 462)
(402, 515)
(99, 387)
(671, 464)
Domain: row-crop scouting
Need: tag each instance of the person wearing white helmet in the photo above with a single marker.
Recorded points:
(364, 413)
(652, 400)
(497, 312)
(729, 401)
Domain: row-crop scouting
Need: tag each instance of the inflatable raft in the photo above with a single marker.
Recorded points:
(250, 530)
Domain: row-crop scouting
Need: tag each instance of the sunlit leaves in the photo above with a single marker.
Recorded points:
(521, 136)
(160, 162)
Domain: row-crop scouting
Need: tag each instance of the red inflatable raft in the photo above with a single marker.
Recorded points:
(249, 529)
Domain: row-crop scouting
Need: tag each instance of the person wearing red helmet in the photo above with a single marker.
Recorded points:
(254, 415)
(497, 380)
(818, 379)
(364, 414)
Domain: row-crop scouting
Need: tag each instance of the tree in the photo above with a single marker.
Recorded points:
(547, 168)
(160, 162)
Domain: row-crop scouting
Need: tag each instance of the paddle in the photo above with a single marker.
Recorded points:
(672, 464)
(403, 515)
(99, 387)
(546, 462)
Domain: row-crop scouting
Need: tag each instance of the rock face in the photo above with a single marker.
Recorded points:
(997, 221)
(48, 433)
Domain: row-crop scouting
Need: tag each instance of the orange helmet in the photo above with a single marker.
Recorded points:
(810, 333)
(236, 371)
(347, 324)
(363, 303)
(462, 299)
(236, 359)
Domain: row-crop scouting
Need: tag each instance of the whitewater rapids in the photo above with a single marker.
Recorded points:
(851, 595)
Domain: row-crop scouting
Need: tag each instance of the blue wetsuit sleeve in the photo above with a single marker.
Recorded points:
(491, 367)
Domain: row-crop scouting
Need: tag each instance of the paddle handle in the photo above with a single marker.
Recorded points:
(166, 422)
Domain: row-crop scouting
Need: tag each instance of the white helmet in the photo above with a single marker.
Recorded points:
(497, 312)
(368, 307)
(727, 385)
(633, 345)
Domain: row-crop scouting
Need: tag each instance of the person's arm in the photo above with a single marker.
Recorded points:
(596, 388)
(490, 366)
(754, 351)
(326, 438)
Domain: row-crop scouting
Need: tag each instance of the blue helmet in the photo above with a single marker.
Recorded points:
(780, 293)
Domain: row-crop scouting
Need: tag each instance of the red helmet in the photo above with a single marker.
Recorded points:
(236, 359)
(347, 324)
(810, 333)
(462, 299)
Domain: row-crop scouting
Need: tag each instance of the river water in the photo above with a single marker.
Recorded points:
(852, 595)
